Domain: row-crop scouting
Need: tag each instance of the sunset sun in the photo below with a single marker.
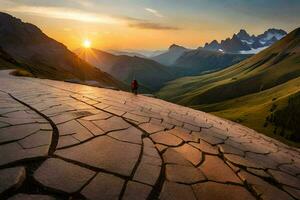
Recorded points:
(86, 43)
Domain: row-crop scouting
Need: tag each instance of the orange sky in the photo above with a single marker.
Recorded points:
(152, 25)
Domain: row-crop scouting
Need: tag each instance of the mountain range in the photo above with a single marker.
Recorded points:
(242, 42)
(171, 55)
(248, 92)
(201, 61)
(150, 74)
(25, 46)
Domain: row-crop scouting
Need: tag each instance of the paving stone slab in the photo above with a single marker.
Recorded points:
(183, 174)
(62, 176)
(66, 140)
(112, 124)
(171, 156)
(225, 148)
(147, 173)
(37, 139)
(190, 153)
(11, 178)
(215, 169)
(75, 129)
(205, 147)
(91, 127)
(103, 186)
(136, 191)
(131, 134)
(262, 188)
(285, 178)
(166, 138)
(13, 152)
(151, 127)
(104, 153)
(99, 116)
(175, 191)
(218, 191)
(31, 197)
(17, 132)
(239, 160)
(208, 138)
(262, 160)
(292, 191)
(183, 134)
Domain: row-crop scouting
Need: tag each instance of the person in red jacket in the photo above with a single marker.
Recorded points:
(134, 86)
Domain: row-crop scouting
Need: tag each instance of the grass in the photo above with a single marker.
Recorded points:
(21, 72)
(252, 110)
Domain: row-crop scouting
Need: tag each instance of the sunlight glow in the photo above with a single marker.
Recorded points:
(87, 43)
(67, 13)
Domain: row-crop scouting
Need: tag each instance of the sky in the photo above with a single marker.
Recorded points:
(152, 24)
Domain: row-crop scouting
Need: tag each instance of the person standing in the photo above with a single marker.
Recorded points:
(134, 86)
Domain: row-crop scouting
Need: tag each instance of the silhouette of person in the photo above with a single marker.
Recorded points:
(134, 86)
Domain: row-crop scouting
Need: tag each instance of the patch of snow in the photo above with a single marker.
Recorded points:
(253, 51)
(248, 42)
(262, 42)
(271, 35)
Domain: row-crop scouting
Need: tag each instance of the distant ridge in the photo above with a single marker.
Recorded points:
(150, 74)
(169, 57)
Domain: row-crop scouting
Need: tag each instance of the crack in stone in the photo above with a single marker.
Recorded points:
(55, 133)
(91, 138)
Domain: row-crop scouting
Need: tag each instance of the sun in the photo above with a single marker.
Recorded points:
(86, 43)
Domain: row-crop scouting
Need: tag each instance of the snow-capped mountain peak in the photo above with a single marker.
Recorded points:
(242, 42)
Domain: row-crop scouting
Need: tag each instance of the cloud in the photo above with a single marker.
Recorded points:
(154, 12)
(87, 17)
(84, 3)
(67, 13)
(150, 25)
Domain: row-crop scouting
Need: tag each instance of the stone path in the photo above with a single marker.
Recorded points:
(67, 141)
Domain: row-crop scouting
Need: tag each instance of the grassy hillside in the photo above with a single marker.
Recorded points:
(201, 61)
(253, 110)
(247, 91)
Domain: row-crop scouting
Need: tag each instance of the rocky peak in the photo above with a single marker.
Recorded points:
(243, 35)
(175, 47)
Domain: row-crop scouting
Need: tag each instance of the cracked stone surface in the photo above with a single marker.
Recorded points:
(11, 178)
(60, 140)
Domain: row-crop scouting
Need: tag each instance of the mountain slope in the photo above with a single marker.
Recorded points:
(199, 61)
(6, 61)
(150, 74)
(45, 57)
(126, 53)
(248, 91)
(168, 58)
(258, 111)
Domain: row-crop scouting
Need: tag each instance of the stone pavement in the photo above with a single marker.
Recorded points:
(67, 141)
